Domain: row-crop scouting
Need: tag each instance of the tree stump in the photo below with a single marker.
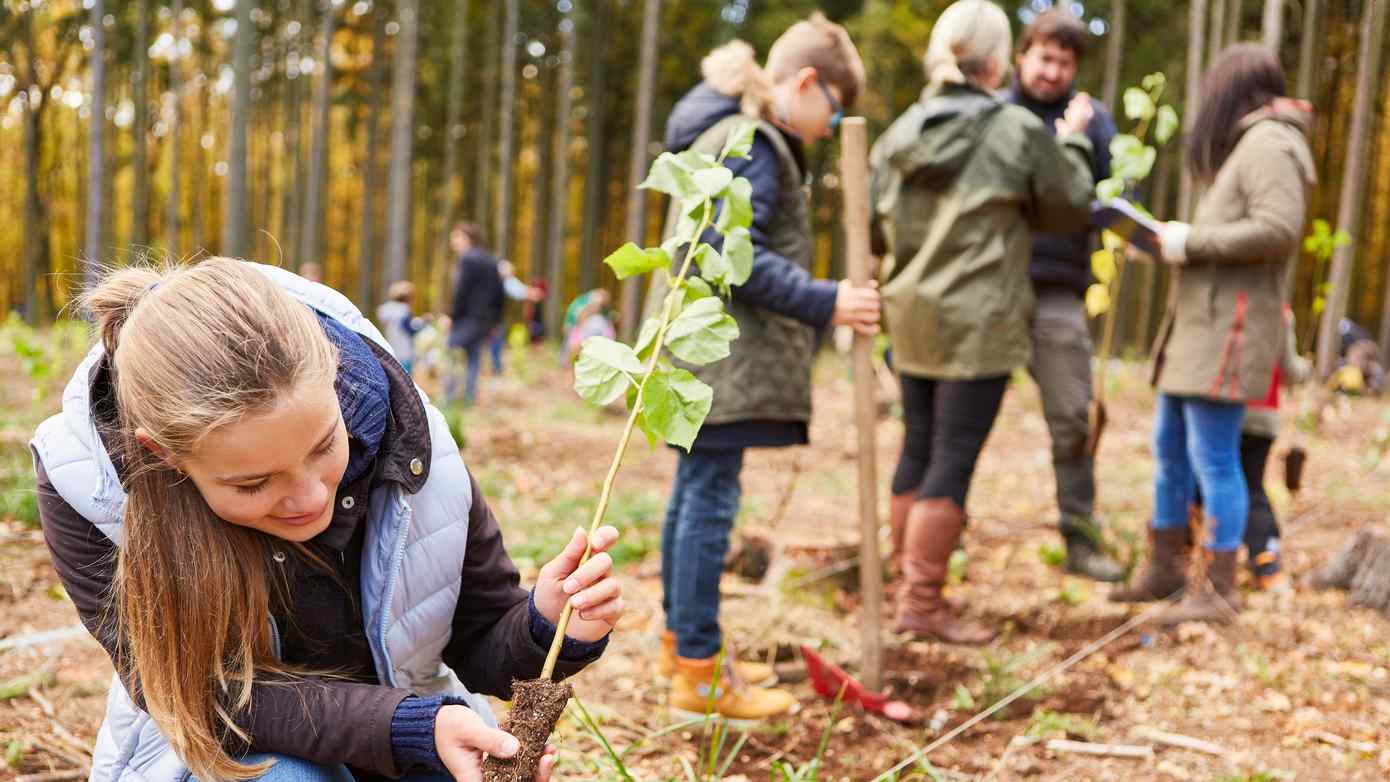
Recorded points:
(1363, 569)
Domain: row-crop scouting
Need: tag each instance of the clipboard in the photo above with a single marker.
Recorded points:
(1123, 219)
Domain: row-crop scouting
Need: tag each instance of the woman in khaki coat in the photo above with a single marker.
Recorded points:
(1223, 331)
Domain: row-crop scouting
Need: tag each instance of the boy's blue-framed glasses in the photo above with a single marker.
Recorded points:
(838, 111)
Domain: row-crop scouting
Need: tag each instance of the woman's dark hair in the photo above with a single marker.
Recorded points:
(1243, 78)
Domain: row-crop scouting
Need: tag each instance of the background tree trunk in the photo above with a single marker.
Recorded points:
(172, 216)
(291, 171)
(560, 169)
(96, 152)
(311, 249)
(596, 151)
(502, 219)
(1307, 50)
(1231, 29)
(1272, 25)
(367, 251)
(451, 189)
(1349, 208)
(234, 223)
(1114, 50)
(637, 164)
(483, 168)
(1192, 97)
(402, 137)
(140, 128)
(1216, 33)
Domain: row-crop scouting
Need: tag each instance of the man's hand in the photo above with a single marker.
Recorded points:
(461, 738)
(596, 595)
(858, 308)
(1077, 116)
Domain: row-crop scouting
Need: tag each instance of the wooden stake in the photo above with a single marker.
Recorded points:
(854, 173)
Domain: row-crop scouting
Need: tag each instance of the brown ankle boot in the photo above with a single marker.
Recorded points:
(1211, 595)
(1165, 571)
(933, 527)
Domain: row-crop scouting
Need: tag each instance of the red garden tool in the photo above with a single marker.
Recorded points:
(830, 680)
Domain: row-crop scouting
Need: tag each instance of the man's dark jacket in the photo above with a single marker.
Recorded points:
(478, 298)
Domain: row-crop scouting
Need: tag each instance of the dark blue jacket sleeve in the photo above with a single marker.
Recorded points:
(1101, 130)
(776, 283)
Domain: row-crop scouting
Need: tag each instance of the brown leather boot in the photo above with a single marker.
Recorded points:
(1164, 573)
(933, 527)
(1211, 595)
(898, 507)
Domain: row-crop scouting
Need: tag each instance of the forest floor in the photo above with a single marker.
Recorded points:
(1297, 689)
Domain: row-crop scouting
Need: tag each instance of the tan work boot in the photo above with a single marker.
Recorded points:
(1211, 594)
(760, 674)
(933, 527)
(732, 699)
(1165, 571)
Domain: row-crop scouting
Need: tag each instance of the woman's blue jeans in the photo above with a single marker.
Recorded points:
(694, 542)
(293, 769)
(1197, 443)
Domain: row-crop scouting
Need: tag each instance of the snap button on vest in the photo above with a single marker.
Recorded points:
(416, 466)
(348, 502)
(278, 556)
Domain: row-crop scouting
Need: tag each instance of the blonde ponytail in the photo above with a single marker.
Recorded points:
(733, 70)
(969, 38)
(116, 296)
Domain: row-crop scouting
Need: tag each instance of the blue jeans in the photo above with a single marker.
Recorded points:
(496, 343)
(1197, 443)
(694, 542)
(473, 355)
(292, 769)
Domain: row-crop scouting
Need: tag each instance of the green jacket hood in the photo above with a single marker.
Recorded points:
(953, 120)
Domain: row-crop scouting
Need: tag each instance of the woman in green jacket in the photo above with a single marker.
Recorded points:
(1224, 328)
(960, 181)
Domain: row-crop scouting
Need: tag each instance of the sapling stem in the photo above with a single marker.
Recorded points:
(667, 311)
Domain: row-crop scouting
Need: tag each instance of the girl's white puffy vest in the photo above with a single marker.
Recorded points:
(409, 587)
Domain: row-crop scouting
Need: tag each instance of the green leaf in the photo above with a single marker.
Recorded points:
(738, 253)
(647, 336)
(712, 181)
(702, 332)
(1341, 239)
(1097, 300)
(1103, 266)
(1154, 81)
(673, 176)
(1130, 159)
(740, 142)
(630, 260)
(695, 289)
(604, 370)
(1108, 189)
(14, 752)
(714, 267)
(737, 211)
(698, 161)
(1138, 104)
(1166, 124)
(674, 405)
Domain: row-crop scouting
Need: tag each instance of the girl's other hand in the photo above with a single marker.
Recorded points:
(462, 738)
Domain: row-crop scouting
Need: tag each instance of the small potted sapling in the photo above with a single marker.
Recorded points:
(668, 403)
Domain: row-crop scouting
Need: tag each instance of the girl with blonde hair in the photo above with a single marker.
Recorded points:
(272, 533)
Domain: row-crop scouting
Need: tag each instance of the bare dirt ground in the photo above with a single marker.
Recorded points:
(1297, 689)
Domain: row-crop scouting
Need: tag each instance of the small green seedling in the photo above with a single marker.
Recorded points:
(668, 403)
